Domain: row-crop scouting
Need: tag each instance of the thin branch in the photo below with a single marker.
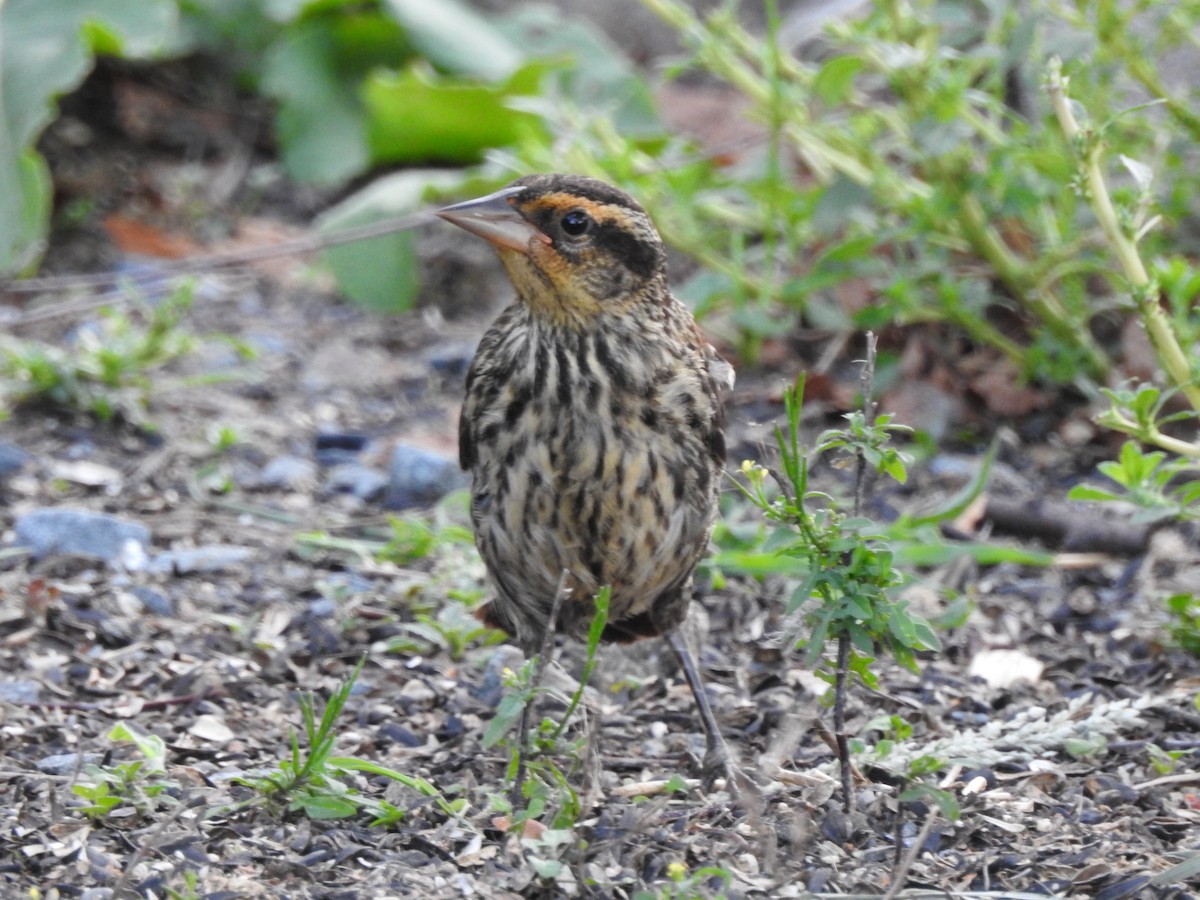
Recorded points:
(163, 271)
(839, 720)
(866, 384)
(901, 871)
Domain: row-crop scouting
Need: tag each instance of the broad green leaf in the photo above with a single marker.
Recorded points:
(321, 125)
(43, 51)
(25, 193)
(46, 49)
(381, 273)
(902, 628)
(836, 79)
(926, 639)
(507, 714)
(324, 806)
(456, 39)
(416, 116)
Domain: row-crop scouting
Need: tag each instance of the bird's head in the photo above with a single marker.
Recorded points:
(575, 248)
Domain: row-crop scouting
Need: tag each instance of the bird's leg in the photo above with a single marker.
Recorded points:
(516, 794)
(716, 756)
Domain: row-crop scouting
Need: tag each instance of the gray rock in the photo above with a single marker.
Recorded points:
(66, 763)
(12, 460)
(214, 558)
(78, 531)
(287, 473)
(152, 601)
(19, 691)
(420, 477)
(361, 481)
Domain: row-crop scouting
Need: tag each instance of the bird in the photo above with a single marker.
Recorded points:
(592, 425)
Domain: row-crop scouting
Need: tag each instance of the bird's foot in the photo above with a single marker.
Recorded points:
(719, 763)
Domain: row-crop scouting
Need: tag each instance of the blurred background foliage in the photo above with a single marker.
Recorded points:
(903, 164)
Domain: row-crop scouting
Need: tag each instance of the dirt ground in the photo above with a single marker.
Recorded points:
(1069, 724)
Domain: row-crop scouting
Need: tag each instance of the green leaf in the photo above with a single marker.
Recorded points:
(836, 79)
(321, 124)
(507, 714)
(958, 504)
(455, 38)
(546, 868)
(418, 116)
(1087, 492)
(676, 784)
(926, 639)
(902, 627)
(25, 194)
(325, 806)
(944, 800)
(46, 50)
(382, 273)
(43, 53)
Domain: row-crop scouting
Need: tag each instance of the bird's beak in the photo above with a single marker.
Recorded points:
(494, 219)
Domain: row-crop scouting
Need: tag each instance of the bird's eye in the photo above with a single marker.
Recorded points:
(576, 223)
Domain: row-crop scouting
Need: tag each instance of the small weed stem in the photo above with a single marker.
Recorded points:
(516, 794)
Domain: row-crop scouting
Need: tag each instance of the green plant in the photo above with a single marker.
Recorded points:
(846, 561)
(451, 628)
(107, 372)
(1161, 488)
(1124, 226)
(1184, 627)
(190, 889)
(846, 567)
(139, 783)
(1164, 762)
(685, 885)
(313, 781)
(540, 787)
(415, 538)
(931, 171)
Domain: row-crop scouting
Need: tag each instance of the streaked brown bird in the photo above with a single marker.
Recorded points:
(593, 423)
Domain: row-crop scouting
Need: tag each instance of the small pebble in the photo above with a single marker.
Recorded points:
(201, 560)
